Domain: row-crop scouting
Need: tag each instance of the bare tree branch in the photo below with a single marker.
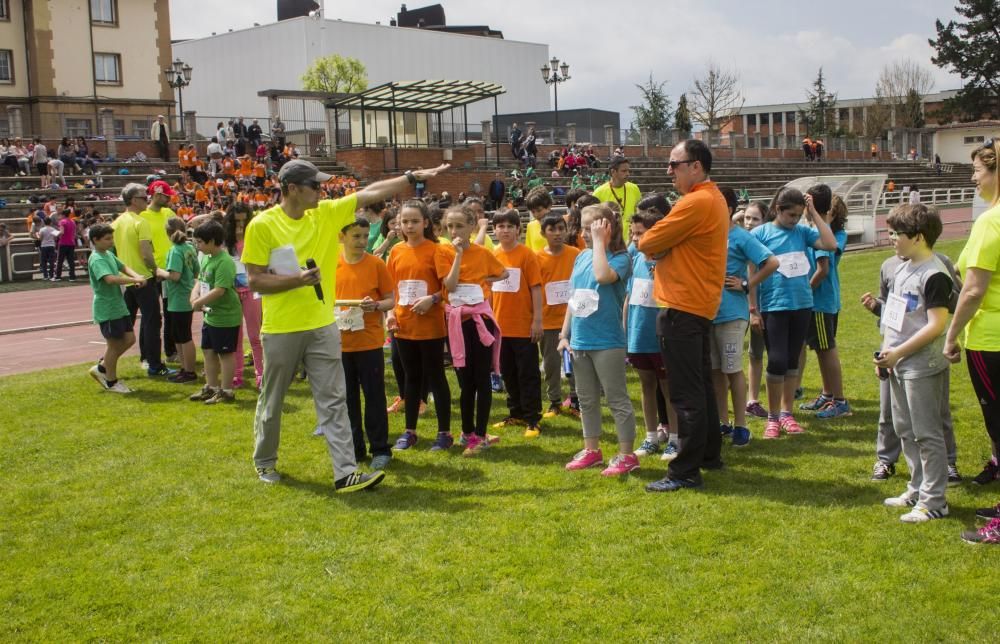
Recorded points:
(717, 98)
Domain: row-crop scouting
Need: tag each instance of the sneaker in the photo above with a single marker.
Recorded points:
(203, 395)
(475, 445)
(443, 441)
(221, 396)
(772, 430)
(988, 513)
(741, 436)
(380, 461)
(496, 383)
(669, 452)
(754, 408)
(668, 484)
(119, 388)
(237, 383)
(396, 406)
(799, 392)
(182, 377)
(173, 357)
(585, 458)
(407, 440)
(567, 402)
(358, 481)
(817, 403)
(954, 478)
(725, 429)
(836, 409)
(96, 374)
(990, 533)
(318, 431)
(648, 448)
(904, 500)
(553, 410)
(573, 409)
(621, 464)
(268, 474)
(990, 473)
(509, 421)
(920, 514)
(883, 471)
(533, 431)
(463, 440)
(789, 424)
(162, 370)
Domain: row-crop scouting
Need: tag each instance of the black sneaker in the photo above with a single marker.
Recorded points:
(668, 484)
(990, 473)
(883, 471)
(988, 513)
(358, 481)
(954, 478)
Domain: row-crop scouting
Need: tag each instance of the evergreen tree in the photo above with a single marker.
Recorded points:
(911, 114)
(818, 115)
(971, 49)
(682, 117)
(654, 112)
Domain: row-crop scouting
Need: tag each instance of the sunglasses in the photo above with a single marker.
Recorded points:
(674, 164)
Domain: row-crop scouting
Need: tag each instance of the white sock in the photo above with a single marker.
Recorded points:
(653, 437)
(672, 438)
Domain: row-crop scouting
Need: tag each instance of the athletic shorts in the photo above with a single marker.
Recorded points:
(42, 169)
(726, 343)
(220, 339)
(647, 362)
(116, 329)
(180, 326)
(822, 333)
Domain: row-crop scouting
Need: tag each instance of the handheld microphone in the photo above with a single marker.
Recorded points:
(311, 264)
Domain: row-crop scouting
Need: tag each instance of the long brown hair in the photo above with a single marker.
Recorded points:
(616, 243)
(426, 213)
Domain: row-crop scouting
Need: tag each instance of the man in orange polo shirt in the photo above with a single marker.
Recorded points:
(691, 246)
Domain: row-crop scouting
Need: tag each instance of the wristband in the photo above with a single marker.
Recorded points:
(753, 309)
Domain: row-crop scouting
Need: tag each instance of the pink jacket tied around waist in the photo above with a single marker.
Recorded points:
(456, 341)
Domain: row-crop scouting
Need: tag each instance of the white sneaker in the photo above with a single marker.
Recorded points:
(904, 500)
(119, 388)
(920, 514)
(669, 452)
(96, 374)
(648, 447)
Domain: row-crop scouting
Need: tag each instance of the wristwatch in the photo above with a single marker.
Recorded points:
(410, 177)
(746, 286)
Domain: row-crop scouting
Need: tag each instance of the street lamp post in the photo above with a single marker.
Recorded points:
(553, 73)
(178, 77)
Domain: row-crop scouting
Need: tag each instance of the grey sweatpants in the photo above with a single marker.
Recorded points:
(887, 447)
(319, 350)
(552, 365)
(605, 368)
(916, 415)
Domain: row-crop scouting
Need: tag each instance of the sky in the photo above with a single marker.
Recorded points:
(775, 46)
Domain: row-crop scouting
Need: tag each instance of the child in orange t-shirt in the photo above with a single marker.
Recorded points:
(417, 320)
(517, 301)
(364, 277)
(556, 264)
(473, 334)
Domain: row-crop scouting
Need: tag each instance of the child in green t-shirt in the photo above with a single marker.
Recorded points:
(182, 271)
(106, 279)
(217, 298)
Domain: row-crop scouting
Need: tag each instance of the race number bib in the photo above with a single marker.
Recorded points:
(893, 312)
(350, 318)
(642, 293)
(510, 285)
(558, 292)
(466, 295)
(584, 302)
(203, 289)
(241, 280)
(411, 290)
(793, 264)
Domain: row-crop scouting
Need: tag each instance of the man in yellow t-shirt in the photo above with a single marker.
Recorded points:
(279, 245)
(157, 213)
(134, 247)
(619, 190)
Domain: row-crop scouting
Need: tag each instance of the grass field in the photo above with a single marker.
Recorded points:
(140, 518)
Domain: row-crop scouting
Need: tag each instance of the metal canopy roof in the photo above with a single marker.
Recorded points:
(420, 96)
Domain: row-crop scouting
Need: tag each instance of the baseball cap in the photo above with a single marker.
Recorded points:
(160, 186)
(299, 171)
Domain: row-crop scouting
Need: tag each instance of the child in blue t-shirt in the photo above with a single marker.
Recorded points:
(785, 299)
(594, 334)
(824, 278)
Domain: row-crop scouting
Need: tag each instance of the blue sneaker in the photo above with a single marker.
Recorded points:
(162, 370)
(669, 452)
(443, 441)
(725, 429)
(406, 441)
(836, 409)
(817, 404)
(647, 448)
(799, 393)
(741, 436)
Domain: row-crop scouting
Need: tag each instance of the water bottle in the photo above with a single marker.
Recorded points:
(567, 363)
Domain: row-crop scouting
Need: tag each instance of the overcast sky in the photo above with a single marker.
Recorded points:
(776, 46)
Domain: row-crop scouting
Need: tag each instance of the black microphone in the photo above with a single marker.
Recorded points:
(311, 264)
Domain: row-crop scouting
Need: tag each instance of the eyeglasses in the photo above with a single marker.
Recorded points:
(673, 164)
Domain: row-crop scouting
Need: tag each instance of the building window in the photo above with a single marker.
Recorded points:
(104, 12)
(973, 140)
(107, 69)
(78, 127)
(140, 129)
(4, 127)
(751, 120)
(119, 127)
(6, 65)
(4, 9)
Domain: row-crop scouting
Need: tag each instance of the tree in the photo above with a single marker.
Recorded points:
(971, 49)
(877, 116)
(898, 84)
(336, 74)
(682, 117)
(911, 113)
(654, 112)
(716, 98)
(818, 115)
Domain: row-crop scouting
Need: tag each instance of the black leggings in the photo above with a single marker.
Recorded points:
(984, 369)
(423, 362)
(400, 373)
(474, 379)
(784, 335)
